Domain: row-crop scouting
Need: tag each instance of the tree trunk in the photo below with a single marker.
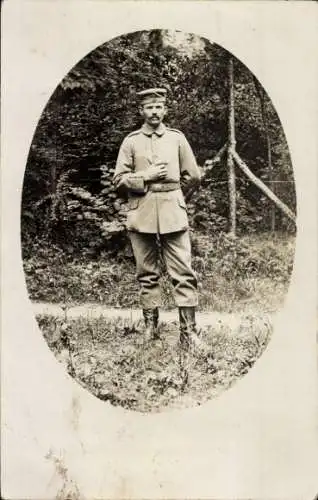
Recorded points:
(231, 149)
(260, 184)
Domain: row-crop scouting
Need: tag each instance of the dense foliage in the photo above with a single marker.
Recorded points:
(68, 196)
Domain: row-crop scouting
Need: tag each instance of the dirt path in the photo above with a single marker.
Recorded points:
(95, 311)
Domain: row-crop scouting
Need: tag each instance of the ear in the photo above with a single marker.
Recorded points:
(141, 110)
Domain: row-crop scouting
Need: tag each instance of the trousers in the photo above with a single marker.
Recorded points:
(176, 252)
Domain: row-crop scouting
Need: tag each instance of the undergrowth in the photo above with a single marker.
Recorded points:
(250, 272)
(111, 359)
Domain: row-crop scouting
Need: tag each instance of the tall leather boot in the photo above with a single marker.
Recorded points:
(151, 317)
(189, 336)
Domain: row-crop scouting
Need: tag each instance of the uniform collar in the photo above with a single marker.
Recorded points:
(149, 131)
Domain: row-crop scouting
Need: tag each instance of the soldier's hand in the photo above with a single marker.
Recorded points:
(156, 172)
(162, 170)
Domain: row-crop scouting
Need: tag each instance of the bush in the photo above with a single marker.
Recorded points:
(261, 255)
(233, 274)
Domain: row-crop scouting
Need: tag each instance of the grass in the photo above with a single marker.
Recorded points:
(250, 273)
(111, 359)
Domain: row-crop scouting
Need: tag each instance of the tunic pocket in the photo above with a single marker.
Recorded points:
(133, 203)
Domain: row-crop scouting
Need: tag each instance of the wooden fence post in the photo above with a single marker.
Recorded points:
(260, 184)
(230, 150)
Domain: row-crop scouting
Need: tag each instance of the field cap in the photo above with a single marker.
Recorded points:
(152, 95)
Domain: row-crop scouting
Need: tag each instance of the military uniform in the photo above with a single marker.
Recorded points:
(158, 210)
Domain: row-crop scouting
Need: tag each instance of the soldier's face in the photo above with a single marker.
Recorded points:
(153, 112)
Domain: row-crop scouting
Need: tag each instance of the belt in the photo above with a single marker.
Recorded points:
(159, 187)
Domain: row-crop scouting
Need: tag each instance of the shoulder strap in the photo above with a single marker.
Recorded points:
(135, 132)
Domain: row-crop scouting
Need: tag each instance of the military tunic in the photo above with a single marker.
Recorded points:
(153, 211)
(158, 208)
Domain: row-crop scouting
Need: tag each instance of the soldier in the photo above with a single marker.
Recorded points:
(156, 166)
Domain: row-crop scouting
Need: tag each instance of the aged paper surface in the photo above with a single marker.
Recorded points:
(259, 439)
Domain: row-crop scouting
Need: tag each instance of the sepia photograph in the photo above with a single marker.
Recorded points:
(158, 220)
(159, 250)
